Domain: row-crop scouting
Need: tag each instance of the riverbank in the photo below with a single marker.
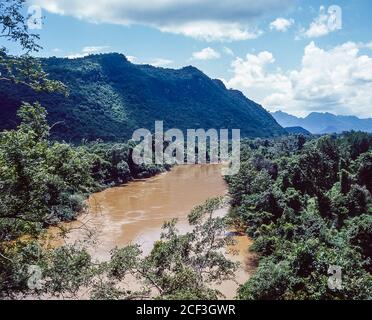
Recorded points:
(134, 214)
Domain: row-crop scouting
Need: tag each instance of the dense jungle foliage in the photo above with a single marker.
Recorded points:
(307, 204)
(305, 201)
(43, 183)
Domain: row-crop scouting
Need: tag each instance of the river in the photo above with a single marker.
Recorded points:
(135, 212)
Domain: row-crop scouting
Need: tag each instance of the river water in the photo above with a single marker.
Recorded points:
(134, 213)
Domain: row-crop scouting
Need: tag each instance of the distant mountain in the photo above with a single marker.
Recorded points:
(297, 130)
(321, 123)
(111, 97)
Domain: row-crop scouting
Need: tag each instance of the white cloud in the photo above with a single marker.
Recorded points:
(131, 59)
(228, 51)
(337, 80)
(210, 20)
(206, 54)
(95, 49)
(214, 31)
(281, 24)
(325, 23)
(86, 51)
(368, 45)
(251, 76)
(75, 56)
(159, 62)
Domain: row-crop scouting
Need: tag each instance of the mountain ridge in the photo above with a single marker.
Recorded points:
(323, 123)
(110, 98)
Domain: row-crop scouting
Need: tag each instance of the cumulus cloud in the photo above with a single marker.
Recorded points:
(206, 54)
(214, 31)
(210, 20)
(251, 76)
(281, 24)
(86, 51)
(95, 49)
(160, 62)
(368, 45)
(228, 51)
(337, 80)
(326, 22)
(131, 59)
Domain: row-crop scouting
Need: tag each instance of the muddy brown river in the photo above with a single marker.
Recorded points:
(135, 213)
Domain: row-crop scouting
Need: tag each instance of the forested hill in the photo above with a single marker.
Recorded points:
(109, 98)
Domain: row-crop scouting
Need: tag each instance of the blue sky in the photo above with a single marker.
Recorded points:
(291, 55)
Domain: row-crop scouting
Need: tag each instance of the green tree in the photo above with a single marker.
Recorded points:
(180, 266)
(25, 69)
(323, 207)
(364, 171)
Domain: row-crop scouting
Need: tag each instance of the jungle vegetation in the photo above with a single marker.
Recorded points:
(307, 204)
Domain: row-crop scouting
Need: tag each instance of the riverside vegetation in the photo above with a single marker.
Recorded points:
(43, 182)
(307, 205)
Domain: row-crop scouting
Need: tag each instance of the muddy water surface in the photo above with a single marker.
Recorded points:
(134, 213)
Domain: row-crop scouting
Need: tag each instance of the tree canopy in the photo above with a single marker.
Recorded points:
(308, 207)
